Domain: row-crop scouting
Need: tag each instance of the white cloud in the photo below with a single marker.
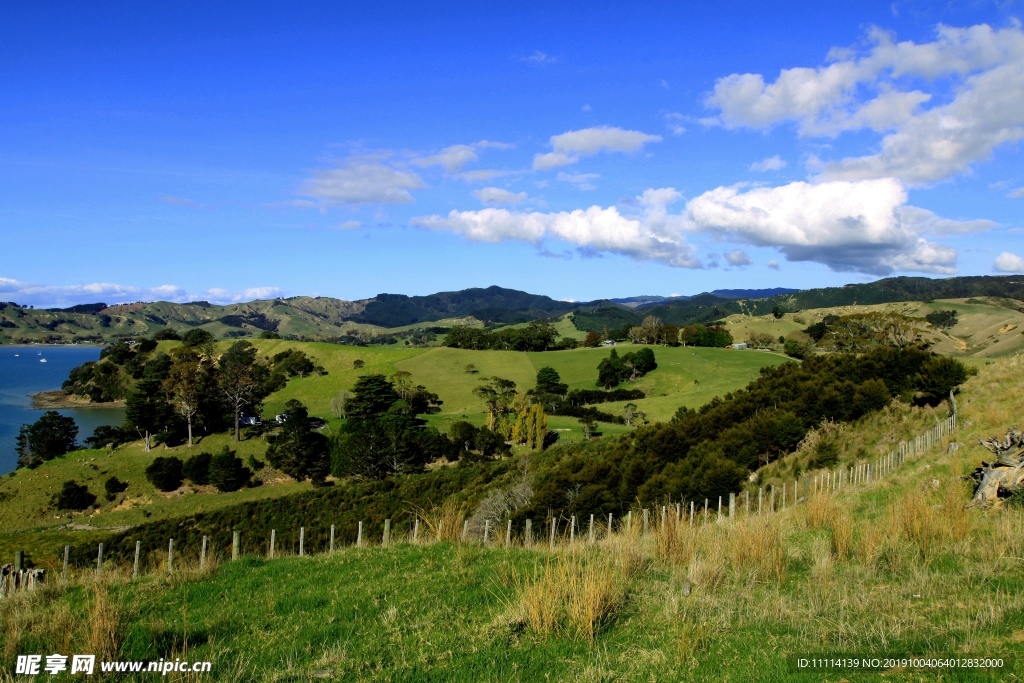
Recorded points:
(454, 158)
(974, 75)
(651, 235)
(570, 146)
(544, 162)
(587, 107)
(1016, 194)
(362, 181)
(482, 175)
(737, 257)
(674, 123)
(582, 181)
(63, 296)
(1009, 263)
(775, 163)
(539, 58)
(497, 195)
(846, 226)
(924, 222)
(773, 264)
(350, 225)
(601, 139)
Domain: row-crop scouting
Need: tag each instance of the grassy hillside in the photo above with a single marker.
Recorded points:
(28, 521)
(987, 327)
(897, 566)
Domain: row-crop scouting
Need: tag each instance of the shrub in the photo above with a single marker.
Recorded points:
(165, 473)
(196, 337)
(197, 469)
(227, 472)
(114, 486)
(73, 496)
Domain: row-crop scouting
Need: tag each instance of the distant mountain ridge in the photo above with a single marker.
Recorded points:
(328, 318)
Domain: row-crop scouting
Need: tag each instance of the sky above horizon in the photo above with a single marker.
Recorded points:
(232, 151)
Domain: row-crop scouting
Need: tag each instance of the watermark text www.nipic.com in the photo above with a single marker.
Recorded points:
(34, 665)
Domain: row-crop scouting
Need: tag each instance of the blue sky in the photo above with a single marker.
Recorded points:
(228, 151)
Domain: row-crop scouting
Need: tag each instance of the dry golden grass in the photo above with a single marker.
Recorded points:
(445, 522)
(575, 592)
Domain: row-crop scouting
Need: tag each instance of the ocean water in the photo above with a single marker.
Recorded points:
(22, 374)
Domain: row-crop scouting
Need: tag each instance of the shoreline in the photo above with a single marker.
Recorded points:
(58, 400)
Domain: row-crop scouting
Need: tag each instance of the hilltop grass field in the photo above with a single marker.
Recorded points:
(28, 521)
(897, 566)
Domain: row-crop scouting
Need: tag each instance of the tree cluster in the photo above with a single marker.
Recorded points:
(714, 336)
(614, 370)
(536, 336)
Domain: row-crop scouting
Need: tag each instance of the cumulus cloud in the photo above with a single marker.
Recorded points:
(497, 195)
(1016, 194)
(983, 108)
(570, 146)
(63, 296)
(581, 181)
(362, 181)
(1009, 263)
(650, 235)
(845, 225)
(737, 257)
(773, 264)
(925, 222)
(350, 225)
(775, 163)
(454, 158)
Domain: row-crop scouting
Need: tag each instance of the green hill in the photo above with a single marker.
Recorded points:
(894, 567)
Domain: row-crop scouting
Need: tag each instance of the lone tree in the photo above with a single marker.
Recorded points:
(550, 382)
(190, 380)
(146, 410)
(49, 437)
(73, 496)
(298, 450)
(241, 377)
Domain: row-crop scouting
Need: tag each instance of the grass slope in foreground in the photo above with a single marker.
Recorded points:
(896, 566)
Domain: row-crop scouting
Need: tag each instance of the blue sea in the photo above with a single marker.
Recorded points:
(22, 374)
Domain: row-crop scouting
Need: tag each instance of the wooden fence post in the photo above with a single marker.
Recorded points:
(487, 530)
(202, 555)
(732, 505)
(273, 542)
(611, 518)
(138, 553)
(302, 541)
(465, 530)
(760, 498)
(19, 560)
(64, 574)
(359, 536)
(170, 556)
(705, 510)
(719, 508)
(629, 521)
(572, 530)
(528, 537)
(387, 532)
(554, 526)
(508, 533)
(99, 559)
(691, 513)
(746, 502)
(663, 513)
(647, 518)
(236, 545)
(590, 532)
(331, 547)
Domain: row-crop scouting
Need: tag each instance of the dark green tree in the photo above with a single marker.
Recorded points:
(550, 382)
(197, 336)
(114, 486)
(49, 437)
(241, 379)
(611, 371)
(147, 410)
(298, 450)
(73, 496)
(197, 469)
(372, 396)
(227, 472)
(165, 473)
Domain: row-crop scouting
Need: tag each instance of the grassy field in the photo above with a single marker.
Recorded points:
(898, 566)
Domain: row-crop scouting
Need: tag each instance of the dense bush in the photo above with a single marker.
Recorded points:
(227, 472)
(114, 486)
(197, 469)
(73, 496)
(165, 473)
(534, 337)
